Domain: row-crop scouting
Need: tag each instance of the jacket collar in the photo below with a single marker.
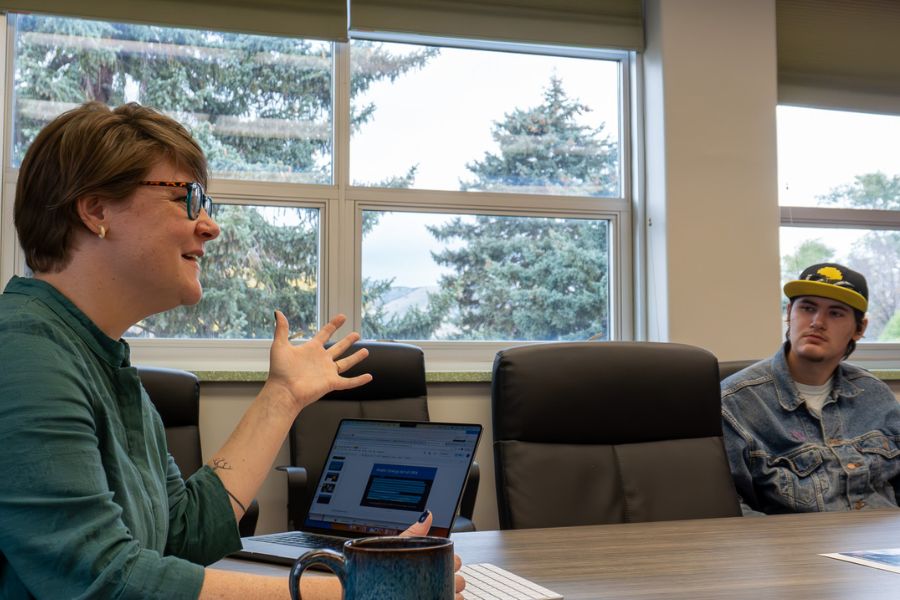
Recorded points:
(789, 397)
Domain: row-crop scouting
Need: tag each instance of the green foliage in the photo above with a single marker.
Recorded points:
(872, 191)
(526, 279)
(808, 253)
(256, 104)
(521, 278)
(413, 324)
(545, 149)
(265, 258)
(533, 278)
(260, 107)
(891, 331)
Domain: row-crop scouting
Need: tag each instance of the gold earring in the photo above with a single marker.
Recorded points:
(102, 233)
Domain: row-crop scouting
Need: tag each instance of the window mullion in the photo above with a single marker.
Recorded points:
(9, 244)
(852, 218)
(340, 247)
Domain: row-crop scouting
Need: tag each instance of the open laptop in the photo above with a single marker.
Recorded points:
(378, 478)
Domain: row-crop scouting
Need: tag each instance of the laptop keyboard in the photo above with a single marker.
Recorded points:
(485, 581)
(302, 538)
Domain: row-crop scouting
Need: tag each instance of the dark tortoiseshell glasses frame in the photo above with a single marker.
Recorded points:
(196, 199)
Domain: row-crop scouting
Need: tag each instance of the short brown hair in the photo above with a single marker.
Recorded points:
(91, 150)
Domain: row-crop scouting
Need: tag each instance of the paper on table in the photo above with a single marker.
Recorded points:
(887, 559)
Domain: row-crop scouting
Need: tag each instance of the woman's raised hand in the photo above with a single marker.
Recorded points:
(304, 373)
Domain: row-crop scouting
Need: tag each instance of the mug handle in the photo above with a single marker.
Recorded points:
(334, 561)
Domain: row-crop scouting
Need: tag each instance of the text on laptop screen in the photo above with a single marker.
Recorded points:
(380, 476)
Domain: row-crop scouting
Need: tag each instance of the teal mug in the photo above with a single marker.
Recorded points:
(375, 568)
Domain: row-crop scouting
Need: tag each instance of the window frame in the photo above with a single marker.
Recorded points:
(874, 355)
(341, 206)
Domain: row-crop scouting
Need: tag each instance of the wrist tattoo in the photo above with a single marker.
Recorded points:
(220, 463)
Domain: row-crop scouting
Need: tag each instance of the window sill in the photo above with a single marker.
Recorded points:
(430, 377)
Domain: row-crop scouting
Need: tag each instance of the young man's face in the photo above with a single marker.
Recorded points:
(820, 329)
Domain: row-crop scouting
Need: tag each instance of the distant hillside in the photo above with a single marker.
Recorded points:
(398, 300)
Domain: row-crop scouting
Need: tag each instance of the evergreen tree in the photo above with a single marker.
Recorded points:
(526, 279)
(545, 150)
(260, 107)
(533, 278)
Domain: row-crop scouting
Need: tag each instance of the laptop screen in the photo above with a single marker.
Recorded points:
(380, 475)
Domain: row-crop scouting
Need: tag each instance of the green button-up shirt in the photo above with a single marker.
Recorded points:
(91, 503)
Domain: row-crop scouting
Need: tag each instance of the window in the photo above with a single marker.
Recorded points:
(484, 277)
(839, 189)
(265, 256)
(465, 119)
(259, 106)
(527, 128)
(261, 109)
(448, 194)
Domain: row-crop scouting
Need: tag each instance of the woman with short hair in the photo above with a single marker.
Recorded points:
(113, 217)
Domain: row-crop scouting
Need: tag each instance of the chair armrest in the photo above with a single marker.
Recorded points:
(467, 506)
(296, 484)
(247, 524)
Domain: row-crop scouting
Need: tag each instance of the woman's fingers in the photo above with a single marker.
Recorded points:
(324, 334)
(341, 346)
(348, 362)
(420, 527)
(346, 383)
(282, 328)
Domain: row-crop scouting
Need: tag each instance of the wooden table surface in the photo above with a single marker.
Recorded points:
(750, 557)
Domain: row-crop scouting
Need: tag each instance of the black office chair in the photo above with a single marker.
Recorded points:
(608, 432)
(397, 391)
(176, 396)
(730, 367)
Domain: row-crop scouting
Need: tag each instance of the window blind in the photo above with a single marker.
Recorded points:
(589, 23)
(840, 54)
(317, 19)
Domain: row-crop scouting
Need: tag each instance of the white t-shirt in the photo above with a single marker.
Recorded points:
(814, 396)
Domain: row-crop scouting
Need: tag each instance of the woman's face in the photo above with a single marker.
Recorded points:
(158, 249)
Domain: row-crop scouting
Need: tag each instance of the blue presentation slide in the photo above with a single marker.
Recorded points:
(399, 486)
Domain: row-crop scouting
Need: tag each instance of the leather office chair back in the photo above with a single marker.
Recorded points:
(397, 392)
(608, 432)
(176, 396)
(730, 367)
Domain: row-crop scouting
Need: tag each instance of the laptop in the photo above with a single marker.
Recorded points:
(378, 478)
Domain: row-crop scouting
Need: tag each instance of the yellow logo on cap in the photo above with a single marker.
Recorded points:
(831, 273)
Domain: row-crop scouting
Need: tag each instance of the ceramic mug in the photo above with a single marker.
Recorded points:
(375, 568)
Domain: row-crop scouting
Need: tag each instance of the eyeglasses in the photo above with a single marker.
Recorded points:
(196, 199)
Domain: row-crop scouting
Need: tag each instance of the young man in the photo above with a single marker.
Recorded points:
(804, 430)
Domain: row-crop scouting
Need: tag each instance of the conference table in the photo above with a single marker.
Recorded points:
(742, 557)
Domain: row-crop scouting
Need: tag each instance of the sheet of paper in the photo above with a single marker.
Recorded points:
(887, 559)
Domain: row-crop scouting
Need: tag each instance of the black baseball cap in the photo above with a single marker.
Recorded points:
(831, 280)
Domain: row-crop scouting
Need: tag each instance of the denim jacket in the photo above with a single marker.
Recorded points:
(786, 459)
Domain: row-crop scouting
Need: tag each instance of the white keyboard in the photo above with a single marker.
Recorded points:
(485, 581)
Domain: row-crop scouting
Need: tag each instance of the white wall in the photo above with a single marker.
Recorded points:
(712, 247)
